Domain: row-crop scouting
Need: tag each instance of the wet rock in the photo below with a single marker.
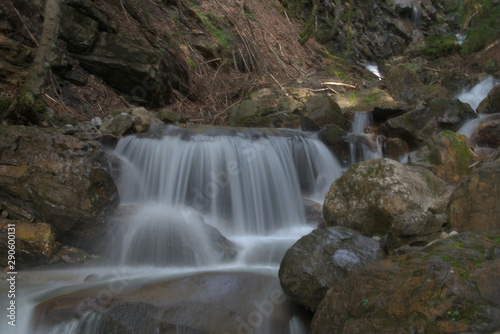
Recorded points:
(448, 287)
(334, 137)
(56, 178)
(446, 154)
(487, 134)
(321, 259)
(491, 104)
(395, 148)
(474, 203)
(371, 196)
(72, 255)
(214, 302)
(40, 235)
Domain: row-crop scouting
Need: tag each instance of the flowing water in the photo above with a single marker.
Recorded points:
(210, 212)
(473, 96)
(363, 146)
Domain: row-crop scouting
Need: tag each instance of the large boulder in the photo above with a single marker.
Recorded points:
(446, 154)
(321, 259)
(449, 287)
(474, 203)
(371, 196)
(55, 178)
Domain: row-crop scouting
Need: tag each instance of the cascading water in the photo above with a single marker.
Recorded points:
(473, 96)
(363, 146)
(211, 212)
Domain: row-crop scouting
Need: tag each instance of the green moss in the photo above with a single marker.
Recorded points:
(439, 46)
(462, 153)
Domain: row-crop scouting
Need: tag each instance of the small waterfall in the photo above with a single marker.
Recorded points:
(416, 18)
(460, 38)
(478, 92)
(374, 69)
(249, 179)
(363, 146)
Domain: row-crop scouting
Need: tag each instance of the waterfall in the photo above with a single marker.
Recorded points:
(416, 18)
(374, 69)
(363, 146)
(478, 92)
(206, 217)
(242, 181)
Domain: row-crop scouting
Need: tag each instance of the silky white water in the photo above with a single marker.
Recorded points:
(204, 201)
(363, 146)
(475, 94)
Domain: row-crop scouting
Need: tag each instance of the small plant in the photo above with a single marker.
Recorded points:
(365, 302)
(453, 314)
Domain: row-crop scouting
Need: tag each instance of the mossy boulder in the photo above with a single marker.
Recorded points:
(322, 258)
(449, 287)
(372, 195)
(474, 203)
(446, 154)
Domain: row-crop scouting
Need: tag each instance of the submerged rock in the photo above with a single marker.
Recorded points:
(449, 287)
(321, 259)
(474, 203)
(371, 196)
(214, 302)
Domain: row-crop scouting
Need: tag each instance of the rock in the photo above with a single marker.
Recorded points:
(15, 60)
(368, 100)
(252, 113)
(491, 104)
(449, 287)
(334, 137)
(118, 126)
(213, 302)
(77, 29)
(487, 133)
(395, 148)
(140, 72)
(415, 230)
(324, 110)
(382, 114)
(307, 124)
(403, 84)
(451, 113)
(371, 196)
(56, 178)
(168, 116)
(474, 203)
(142, 119)
(446, 154)
(72, 255)
(39, 234)
(321, 259)
(27, 254)
(90, 9)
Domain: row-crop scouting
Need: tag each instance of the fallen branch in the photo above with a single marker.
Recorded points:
(337, 84)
